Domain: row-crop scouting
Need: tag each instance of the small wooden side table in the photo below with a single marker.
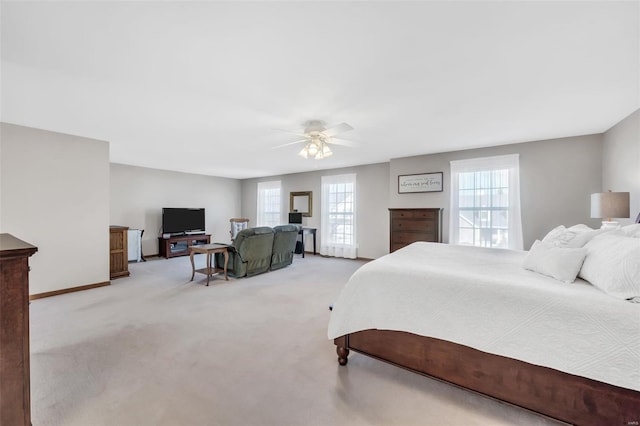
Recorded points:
(311, 231)
(209, 250)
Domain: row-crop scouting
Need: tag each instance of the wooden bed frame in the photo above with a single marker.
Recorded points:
(563, 396)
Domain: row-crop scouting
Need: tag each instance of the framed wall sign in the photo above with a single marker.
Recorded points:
(423, 182)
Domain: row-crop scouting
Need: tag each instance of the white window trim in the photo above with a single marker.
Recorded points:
(510, 162)
(263, 186)
(337, 250)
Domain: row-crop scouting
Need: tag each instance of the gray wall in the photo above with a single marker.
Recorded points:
(55, 188)
(138, 195)
(556, 179)
(54, 191)
(621, 161)
(372, 188)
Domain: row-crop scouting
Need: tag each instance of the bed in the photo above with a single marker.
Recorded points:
(475, 318)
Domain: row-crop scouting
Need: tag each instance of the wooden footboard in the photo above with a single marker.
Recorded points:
(563, 396)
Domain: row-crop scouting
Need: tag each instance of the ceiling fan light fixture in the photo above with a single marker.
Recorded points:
(318, 138)
(323, 151)
(304, 153)
(313, 148)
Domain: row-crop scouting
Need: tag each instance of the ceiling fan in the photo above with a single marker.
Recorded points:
(318, 137)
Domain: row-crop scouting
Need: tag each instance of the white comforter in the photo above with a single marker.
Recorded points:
(484, 299)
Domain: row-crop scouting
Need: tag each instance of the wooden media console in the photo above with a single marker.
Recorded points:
(180, 245)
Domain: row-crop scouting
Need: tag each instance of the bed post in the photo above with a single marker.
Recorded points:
(342, 349)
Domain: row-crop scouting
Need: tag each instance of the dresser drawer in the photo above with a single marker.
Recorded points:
(414, 225)
(396, 246)
(414, 214)
(405, 238)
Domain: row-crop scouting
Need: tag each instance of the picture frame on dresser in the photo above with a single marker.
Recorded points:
(420, 182)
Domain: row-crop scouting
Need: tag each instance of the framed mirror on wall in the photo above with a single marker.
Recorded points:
(301, 202)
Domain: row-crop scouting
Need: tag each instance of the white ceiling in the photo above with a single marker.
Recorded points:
(200, 86)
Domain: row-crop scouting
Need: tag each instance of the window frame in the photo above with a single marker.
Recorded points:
(263, 204)
(492, 177)
(339, 211)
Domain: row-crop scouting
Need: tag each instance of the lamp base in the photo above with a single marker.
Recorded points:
(607, 224)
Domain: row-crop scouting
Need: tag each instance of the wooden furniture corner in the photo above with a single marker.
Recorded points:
(15, 390)
(118, 252)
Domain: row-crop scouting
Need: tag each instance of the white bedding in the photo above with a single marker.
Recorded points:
(484, 299)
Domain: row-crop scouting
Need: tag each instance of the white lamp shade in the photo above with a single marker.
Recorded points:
(610, 205)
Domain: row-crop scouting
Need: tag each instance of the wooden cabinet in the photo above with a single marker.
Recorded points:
(118, 252)
(179, 246)
(15, 400)
(410, 225)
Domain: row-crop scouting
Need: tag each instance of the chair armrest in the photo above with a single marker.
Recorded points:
(233, 252)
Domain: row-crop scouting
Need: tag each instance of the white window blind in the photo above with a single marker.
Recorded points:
(269, 204)
(338, 219)
(485, 202)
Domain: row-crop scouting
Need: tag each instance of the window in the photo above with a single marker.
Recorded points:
(485, 202)
(338, 220)
(269, 204)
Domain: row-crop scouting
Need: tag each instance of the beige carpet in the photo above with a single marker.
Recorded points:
(156, 349)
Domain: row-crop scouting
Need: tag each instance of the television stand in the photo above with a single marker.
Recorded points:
(180, 245)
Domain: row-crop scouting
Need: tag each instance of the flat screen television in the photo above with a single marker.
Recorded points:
(176, 221)
(295, 218)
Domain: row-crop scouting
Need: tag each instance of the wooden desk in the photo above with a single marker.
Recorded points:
(311, 231)
(209, 250)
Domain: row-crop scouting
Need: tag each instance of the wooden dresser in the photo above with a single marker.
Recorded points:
(118, 252)
(15, 395)
(410, 225)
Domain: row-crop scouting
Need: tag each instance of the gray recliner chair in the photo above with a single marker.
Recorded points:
(250, 253)
(284, 244)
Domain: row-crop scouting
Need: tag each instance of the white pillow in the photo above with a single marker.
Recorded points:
(613, 265)
(573, 237)
(560, 263)
(632, 230)
(554, 234)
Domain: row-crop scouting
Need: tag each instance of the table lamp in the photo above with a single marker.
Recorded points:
(608, 205)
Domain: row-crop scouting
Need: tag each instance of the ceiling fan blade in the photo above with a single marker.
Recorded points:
(340, 128)
(290, 143)
(291, 132)
(342, 142)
